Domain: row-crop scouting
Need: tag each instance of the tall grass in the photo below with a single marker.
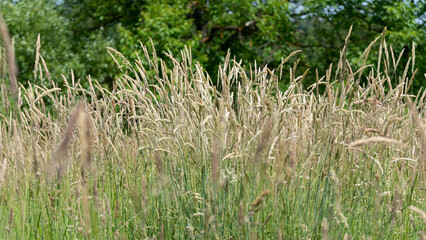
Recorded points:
(168, 155)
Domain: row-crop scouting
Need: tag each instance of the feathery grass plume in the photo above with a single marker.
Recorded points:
(373, 140)
(280, 158)
(341, 66)
(3, 91)
(328, 86)
(35, 160)
(117, 208)
(263, 141)
(221, 125)
(280, 234)
(206, 222)
(3, 173)
(421, 213)
(161, 233)
(382, 43)
(158, 162)
(266, 221)
(317, 80)
(324, 229)
(404, 78)
(13, 68)
(46, 70)
(86, 218)
(293, 151)
(256, 205)
(337, 188)
(396, 203)
(37, 56)
(366, 52)
(413, 56)
(241, 217)
(215, 166)
(10, 223)
(373, 130)
(61, 150)
(421, 131)
(46, 93)
(2, 64)
(86, 142)
(144, 196)
(410, 82)
(107, 207)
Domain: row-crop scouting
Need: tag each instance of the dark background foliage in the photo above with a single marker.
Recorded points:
(75, 33)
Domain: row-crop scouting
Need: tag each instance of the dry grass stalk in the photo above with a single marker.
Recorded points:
(161, 233)
(206, 221)
(10, 222)
(410, 82)
(144, 199)
(281, 153)
(342, 62)
(158, 162)
(396, 203)
(107, 206)
(61, 151)
(373, 140)
(215, 165)
(86, 211)
(421, 213)
(256, 205)
(413, 56)
(382, 43)
(46, 93)
(421, 131)
(373, 130)
(46, 70)
(263, 141)
(3, 173)
(37, 56)
(324, 229)
(117, 208)
(86, 142)
(241, 216)
(293, 151)
(13, 68)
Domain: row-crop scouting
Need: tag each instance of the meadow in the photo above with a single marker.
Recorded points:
(167, 154)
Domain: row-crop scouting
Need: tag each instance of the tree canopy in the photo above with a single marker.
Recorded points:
(75, 33)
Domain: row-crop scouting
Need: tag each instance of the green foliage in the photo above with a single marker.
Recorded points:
(327, 23)
(75, 33)
(28, 18)
(251, 30)
(165, 23)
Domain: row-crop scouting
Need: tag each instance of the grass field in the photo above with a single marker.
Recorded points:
(168, 155)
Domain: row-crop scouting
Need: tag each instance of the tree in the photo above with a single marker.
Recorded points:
(26, 19)
(324, 25)
(264, 31)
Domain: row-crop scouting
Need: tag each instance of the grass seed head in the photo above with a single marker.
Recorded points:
(257, 203)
